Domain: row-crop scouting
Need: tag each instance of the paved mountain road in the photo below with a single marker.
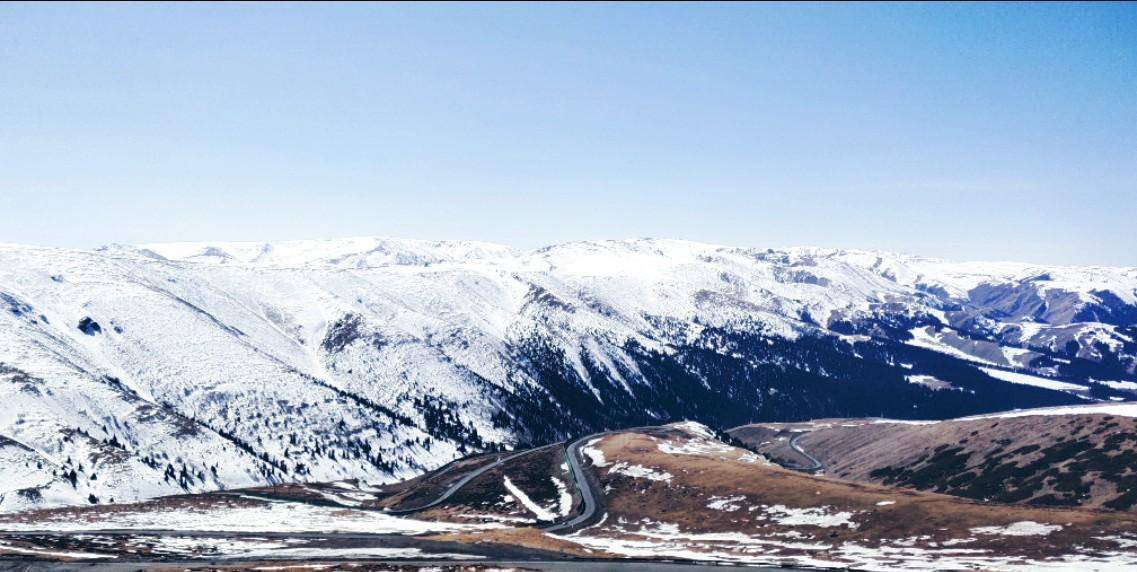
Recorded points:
(591, 497)
(817, 464)
(446, 494)
(457, 485)
(588, 493)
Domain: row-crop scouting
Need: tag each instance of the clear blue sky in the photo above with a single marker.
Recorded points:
(964, 131)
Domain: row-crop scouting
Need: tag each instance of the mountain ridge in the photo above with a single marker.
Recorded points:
(138, 371)
(504, 248)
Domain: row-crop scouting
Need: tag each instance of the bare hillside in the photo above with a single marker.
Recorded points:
(1087, 460)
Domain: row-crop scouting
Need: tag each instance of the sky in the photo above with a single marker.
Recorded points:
(963, 131)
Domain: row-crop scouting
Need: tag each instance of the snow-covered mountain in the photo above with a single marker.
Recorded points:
(135, 371)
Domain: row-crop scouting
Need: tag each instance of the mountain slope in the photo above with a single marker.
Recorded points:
(137, 371)
(666, 493)
(1071, 456)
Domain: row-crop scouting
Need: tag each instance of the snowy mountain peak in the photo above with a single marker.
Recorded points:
(134, 371)
(357, 252)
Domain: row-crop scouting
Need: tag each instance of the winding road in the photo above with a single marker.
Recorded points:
(586, 485)
(588, 494)
(446, 494)
(457, 485)
(817, 464)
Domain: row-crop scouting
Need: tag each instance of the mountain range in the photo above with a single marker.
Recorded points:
(130, 372)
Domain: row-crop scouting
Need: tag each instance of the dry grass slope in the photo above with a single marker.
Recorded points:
(1060, 460)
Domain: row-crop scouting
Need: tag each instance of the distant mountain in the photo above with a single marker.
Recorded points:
(135, 371)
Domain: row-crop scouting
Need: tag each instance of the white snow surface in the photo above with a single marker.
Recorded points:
(728, 504)
(1122, 409)
(925, 337)
(1021, 528)
(1123, 385)
(564, 497)
(650, 539)
(527, 502)
(640, 472)
(593, 453)
(1036, 381)
(243, 517)
(297, 349)
(820, 516)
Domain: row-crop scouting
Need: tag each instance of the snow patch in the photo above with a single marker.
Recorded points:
(925, 338)
(694, 428)
(639, 472)
(226, 517)
(727, 504)
(1122, 385)
(524, 499)
(1021, 528)
(1036, 381)
(564, 498)
(594, 454)
(821, 516)
(693, 447)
